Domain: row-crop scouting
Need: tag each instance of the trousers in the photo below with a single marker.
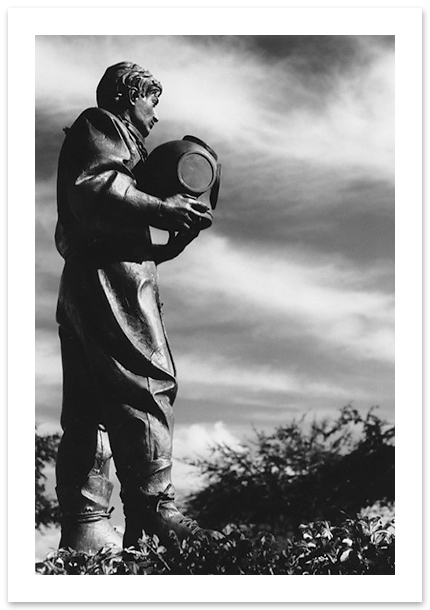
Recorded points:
(118, 373)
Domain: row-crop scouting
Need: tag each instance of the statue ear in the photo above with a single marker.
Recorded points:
(133, 95)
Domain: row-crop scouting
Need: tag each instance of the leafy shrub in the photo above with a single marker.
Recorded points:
(357, 546)
(328, 470)
(47, 509)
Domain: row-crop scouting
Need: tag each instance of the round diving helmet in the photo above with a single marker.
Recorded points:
(186, 167)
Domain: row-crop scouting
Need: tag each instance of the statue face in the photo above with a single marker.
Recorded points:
(142, 112)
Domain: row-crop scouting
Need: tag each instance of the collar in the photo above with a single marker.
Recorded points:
(137, 137)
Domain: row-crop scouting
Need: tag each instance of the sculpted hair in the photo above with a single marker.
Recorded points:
(118, 80)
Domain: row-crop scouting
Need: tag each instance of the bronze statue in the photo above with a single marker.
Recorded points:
(118, 372)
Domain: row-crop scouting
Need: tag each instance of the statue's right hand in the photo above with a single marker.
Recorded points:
(180, 213)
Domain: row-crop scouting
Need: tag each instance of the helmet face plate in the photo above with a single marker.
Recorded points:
(196, 172)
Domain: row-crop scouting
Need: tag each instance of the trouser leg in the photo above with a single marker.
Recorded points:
(82, 469)
(140, 433)
(143, 458)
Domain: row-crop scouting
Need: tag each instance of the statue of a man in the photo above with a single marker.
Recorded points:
(118, 371)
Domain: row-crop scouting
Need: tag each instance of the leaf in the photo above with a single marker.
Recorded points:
(344, 556)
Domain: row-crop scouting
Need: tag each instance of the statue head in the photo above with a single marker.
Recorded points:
(122, 84)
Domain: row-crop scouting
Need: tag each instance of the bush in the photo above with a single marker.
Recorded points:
(299, 473)
(47, 509)
(358, 546)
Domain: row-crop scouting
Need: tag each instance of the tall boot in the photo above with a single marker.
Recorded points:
(149, 507)
(84, 505)
(142, 449)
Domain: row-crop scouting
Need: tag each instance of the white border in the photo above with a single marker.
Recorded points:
(405, 24)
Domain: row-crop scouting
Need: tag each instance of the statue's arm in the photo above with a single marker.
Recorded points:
(94, 177)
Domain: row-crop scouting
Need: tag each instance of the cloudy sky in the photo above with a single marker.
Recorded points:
(286, 304)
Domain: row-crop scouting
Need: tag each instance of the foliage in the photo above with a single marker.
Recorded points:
(298, 473)
(47, 510)
(357, 546)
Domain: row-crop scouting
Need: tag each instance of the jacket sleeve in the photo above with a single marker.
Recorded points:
(95, 178)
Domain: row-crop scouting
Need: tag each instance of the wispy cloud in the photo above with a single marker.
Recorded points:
(198, 439)
(46, 542)
(328, 301)
(48, 359)
(217, 371)
(264, 107)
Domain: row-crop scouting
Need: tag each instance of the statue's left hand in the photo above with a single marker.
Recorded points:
(176, 244)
